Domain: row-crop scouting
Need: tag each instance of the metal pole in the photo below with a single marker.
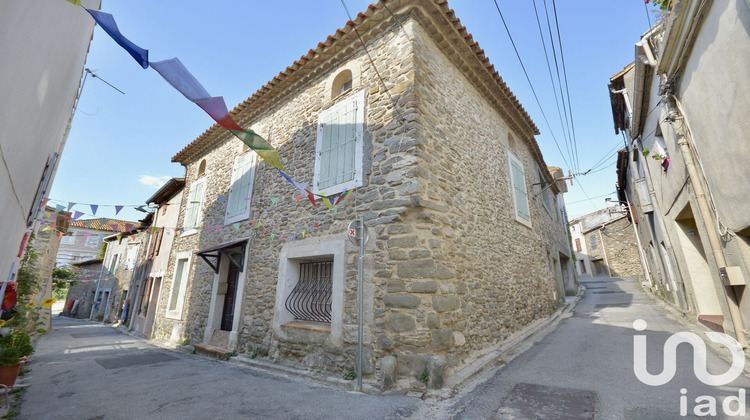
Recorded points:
(360, 281)
(98, 283)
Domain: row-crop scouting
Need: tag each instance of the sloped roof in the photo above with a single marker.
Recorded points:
(434, 15)
(120, 225)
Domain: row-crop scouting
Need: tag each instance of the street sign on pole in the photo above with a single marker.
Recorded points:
(358, 234)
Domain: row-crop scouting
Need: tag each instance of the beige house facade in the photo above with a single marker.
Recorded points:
(681, 106)
(467, 239)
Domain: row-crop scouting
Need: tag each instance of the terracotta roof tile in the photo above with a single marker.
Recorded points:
(119, 225)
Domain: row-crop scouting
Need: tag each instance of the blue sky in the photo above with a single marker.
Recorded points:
(120, 146)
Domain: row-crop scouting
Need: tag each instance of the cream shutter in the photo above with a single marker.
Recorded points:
(241, 188)
(338, 151)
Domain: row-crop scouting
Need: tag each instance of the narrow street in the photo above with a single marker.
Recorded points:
(584, 369)
(84, 370)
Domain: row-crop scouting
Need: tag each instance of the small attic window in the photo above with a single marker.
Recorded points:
(202, 168)
(342, 83)
(511, 141)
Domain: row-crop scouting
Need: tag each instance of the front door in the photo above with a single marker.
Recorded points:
(227, 313)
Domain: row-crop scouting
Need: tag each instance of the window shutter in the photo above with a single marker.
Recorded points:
(240, 190)
(338, 151)
(519, 190)
(195, 199)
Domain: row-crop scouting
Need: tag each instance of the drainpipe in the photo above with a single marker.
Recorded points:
(707, 216)
(604, 250)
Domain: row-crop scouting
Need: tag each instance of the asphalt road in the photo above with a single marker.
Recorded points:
(86, 370)
(585, 369)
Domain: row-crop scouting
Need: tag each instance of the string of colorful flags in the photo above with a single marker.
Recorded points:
(177, 75)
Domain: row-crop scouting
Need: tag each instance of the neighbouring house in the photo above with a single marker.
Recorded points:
(44, 45)
(682, 107)
(85, 237)
(82, 292)
(604, 243)
(467, 240)
(153, 260)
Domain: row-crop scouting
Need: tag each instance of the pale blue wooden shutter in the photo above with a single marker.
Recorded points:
(519, 190)
(193, 207)
(338, 151)
(242, 179)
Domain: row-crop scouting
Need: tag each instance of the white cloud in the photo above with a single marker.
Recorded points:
(153, 181)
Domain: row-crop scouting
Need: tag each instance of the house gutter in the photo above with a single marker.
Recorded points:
(644, 58)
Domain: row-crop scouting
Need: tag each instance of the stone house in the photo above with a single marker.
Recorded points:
(604, 243)
(467, 241)
(81, 293)
(682, 107)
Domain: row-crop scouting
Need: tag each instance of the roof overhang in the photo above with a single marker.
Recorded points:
(234, 250)
(167, 191)
(434, 16)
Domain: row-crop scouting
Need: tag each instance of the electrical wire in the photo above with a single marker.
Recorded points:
(567, 89)
(587, 199)
(551, 79)
(533, 91)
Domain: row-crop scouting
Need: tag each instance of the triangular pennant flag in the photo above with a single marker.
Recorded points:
(298, 185)
(327, 202)
(317, 224)
(76, 2)
(274, 200)
(344, 196)
(128, 226)
(117, 209)
(294, 236)
(61, 235)
(47, 228)
(259, 223)
(217, 109)
(53, 217)
(44, 203)
(273, 235)
(70, 205)
(312, 198)
(77, 214)
(265, 231)
(304, 232)
(94, 208)
(47, 214)
(86, 235)
(253, 222)
(335, 210)
(236, 227)
(107, 22)
(177, 75)
(297, 197)
(59, 208)
(222, 199)
(114, 227)
(258, 144)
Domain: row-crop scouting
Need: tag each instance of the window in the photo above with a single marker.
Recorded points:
(202, 168)
(113, 263)
(194, 209)
(241, 189)
(67, 239)
(583, 266)
(93, 241)
(339, 149)
(310, 300)
(179, 285)
(518, 191)
(593, 241)
(578, 244)
(342, 83)
(310, 289)
(545, 186)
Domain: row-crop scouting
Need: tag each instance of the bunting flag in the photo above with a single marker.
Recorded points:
(107, 22)
(236, 227)
(44, 203)
(76, 2)
(344, 196)
(327, 202)
(94, 208)
(117, 209)
(77, 214)
(222, 199)
(70, 205)
(59, 208)
(274, 200)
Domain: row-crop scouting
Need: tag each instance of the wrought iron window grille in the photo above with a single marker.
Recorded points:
(310, 300)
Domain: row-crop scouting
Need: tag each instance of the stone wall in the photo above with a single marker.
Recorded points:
(622, 249)
(448, 270)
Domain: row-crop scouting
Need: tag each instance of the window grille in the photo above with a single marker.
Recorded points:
(310, 300)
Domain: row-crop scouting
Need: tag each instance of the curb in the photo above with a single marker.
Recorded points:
(511, 347)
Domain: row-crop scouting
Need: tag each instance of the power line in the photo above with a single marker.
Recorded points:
(598, 196)
(551, 79)
(530, 84)
(567, 90)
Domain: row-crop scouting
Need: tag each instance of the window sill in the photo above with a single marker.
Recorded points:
(321, 327)
(189, 233)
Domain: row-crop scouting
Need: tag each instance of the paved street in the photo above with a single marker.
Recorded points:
(92, 371)
(585, 367)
